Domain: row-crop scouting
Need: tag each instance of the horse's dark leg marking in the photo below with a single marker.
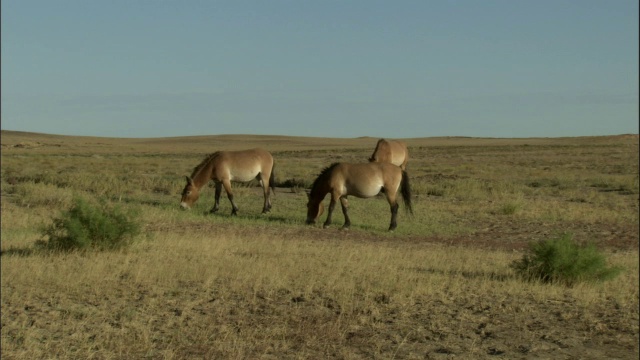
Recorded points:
(394, 215)
(216, 205)
(234, 207)
(227, 188)
(332, 205)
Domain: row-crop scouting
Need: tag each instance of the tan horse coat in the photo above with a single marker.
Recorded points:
(361, 180)
(391, 151)
(225, 166)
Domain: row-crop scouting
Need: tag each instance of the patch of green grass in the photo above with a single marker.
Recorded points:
(509, 208)
(562, 260)
(86, 226)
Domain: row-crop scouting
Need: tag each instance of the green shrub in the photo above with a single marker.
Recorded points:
(562, 260)
(436, 191)
(295, 183)
(86, 226)
(509, 208)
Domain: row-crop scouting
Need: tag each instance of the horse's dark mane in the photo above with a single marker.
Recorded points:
(204, 163)
(323, 174)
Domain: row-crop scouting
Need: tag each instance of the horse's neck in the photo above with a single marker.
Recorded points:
(202, 177)
(321, 190)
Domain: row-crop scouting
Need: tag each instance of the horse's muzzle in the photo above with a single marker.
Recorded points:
(184, 206)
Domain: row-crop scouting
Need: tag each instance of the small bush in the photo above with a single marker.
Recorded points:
(562, 260)
(295, 183)
(436, 191)
(86, 226)
(509, 208)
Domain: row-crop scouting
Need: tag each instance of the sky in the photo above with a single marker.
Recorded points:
(323, 68)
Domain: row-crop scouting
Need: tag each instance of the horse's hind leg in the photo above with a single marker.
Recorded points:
(216, 205)
(267, 194)
(393, 205)
(394, 216)
(345, 206)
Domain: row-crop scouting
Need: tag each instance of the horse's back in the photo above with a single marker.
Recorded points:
(391, 151)
(369, 169)
(382, 152)
(244, 165)
(366, 179)
(399, 153)
(248, 157)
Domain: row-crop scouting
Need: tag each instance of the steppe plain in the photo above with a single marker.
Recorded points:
(202, 286)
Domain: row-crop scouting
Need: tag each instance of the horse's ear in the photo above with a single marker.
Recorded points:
(308, 193)
(189, 180)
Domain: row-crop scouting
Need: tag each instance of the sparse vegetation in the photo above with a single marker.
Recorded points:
(268, 286)
(563, 261)
(91, 227)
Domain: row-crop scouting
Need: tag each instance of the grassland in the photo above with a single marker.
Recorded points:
(270, 287)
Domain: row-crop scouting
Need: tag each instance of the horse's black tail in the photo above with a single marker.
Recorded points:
(405, 190)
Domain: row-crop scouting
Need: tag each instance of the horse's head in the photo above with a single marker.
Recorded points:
(189, 195)
(314, 210)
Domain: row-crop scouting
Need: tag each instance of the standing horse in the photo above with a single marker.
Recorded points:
(225, 166)
(361, 180)
(391, 151)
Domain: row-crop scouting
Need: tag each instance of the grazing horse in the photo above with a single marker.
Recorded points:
(225, 166)
(361, 180)
(391, 151)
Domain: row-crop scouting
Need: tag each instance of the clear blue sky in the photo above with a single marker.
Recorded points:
(397, 69)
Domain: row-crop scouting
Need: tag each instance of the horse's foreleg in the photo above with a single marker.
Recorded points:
(216, 205)
(227, 188)
(345, 205)
(332, 205)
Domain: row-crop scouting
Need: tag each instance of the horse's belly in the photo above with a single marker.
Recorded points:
(244, 175)
(364, 191)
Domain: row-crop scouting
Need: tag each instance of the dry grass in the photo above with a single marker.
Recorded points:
(267, 287)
